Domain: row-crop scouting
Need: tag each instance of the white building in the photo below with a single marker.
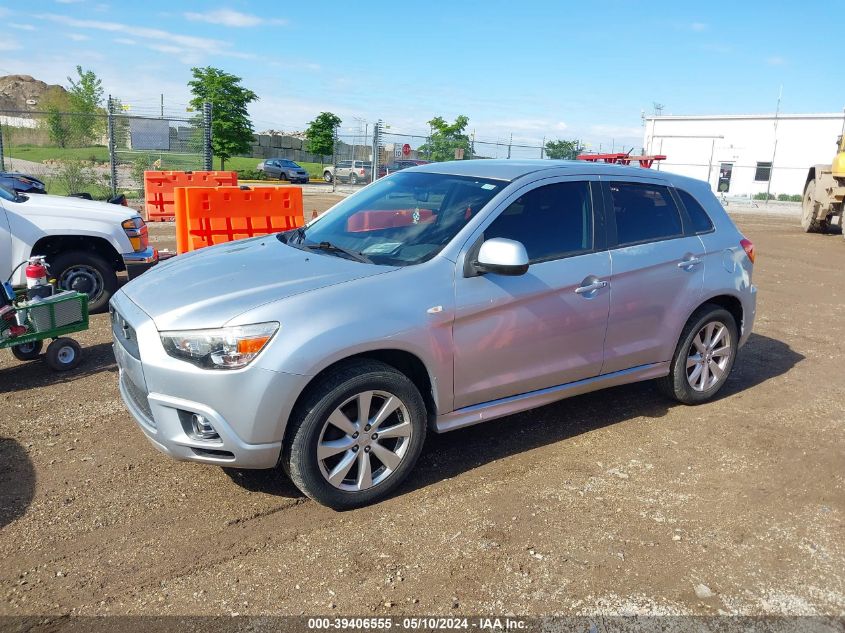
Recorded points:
(738, 154)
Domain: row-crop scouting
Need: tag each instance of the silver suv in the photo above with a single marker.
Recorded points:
(438, 297)
(351, 171)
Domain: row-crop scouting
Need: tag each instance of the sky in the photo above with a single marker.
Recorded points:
(531, 69)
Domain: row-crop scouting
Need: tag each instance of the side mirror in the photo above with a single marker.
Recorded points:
(502, 257)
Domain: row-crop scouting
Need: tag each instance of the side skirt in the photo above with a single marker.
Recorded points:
(476, 413)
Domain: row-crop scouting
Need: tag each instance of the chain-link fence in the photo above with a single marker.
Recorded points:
(102, 153)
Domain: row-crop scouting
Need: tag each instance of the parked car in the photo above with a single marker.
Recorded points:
(399, 165)
(351, 171)
(446, 295)
(283, 169)
(86, 243)
(21, 182)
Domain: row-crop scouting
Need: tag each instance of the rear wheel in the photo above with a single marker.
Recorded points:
(356, 435)
(28, 351)
(327, 176)
(810, 209)
(63, 354)
(353, 178)
(704, 356)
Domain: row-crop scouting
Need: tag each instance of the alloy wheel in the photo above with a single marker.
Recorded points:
(364, 440)
(708, 356)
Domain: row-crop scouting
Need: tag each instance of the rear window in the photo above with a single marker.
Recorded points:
(644, 213)
(701, 222)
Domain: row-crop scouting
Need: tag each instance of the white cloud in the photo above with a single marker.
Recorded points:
(22, 27)
(78, 37)
(69, 1)
(9, 44)
(698, 26)
(775, 60)
(125, 40)
(236, 19)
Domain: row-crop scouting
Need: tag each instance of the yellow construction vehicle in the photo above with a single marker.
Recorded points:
(824, 193)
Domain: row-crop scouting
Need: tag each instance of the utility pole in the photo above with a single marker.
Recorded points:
(112, 156)
(162, 105)
(2, 154)
(775, 148)
(472, 146)
(509, 145)
(334, 160)
(542, 148)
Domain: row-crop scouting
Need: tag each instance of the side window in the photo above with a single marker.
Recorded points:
(551, 221)
(644, 213)
(701, 222)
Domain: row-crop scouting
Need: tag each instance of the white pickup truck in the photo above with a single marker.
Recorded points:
(86, 243)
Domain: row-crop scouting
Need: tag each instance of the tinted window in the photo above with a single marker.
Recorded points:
(550, 221)
(643, 212)
(701, 222)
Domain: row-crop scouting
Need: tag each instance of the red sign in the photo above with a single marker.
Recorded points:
(406, 149)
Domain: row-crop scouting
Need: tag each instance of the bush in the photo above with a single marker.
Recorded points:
(251, 174)
(783, 197)
(796, 197)
(74, 176)
(764, 196)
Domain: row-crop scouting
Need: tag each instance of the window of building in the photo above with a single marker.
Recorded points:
(701, 222)
(551, 221)
(644, 213)
(763, 172)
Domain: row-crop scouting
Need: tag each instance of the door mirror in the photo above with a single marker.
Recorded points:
(502, 257)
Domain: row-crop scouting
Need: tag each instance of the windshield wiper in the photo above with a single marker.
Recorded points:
(334, 248)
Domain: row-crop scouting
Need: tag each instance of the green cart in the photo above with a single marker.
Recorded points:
(51, 318)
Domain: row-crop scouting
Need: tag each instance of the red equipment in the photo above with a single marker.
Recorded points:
(621, 159)
(36, 272)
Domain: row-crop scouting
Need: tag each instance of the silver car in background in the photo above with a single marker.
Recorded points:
(438, 297)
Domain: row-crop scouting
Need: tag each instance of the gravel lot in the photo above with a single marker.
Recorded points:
(614, 502)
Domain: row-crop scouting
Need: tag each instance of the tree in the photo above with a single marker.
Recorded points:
(566, 150)
(85, 97)
(231, 128)
(445, 138)
(320, 134)
(56, 104)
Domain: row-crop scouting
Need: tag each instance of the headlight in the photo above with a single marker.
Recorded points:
(137, 232)
(222, 348)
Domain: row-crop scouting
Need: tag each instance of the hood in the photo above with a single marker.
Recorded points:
(211, 286)
(67, 207)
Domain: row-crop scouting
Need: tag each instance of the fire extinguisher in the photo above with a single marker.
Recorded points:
(37, 284)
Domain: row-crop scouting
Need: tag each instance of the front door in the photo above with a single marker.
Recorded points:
(518, 334)
(658, 274)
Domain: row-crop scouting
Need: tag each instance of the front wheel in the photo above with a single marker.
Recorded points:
(327, 176)
(704, 356)
(356, 436)
(88, 273)
(809, 212)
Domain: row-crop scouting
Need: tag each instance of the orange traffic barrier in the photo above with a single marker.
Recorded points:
(387, 219)
(213, 215)
(159, 186)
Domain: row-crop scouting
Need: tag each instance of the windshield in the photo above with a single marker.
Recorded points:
(289, 163)
(401, 220)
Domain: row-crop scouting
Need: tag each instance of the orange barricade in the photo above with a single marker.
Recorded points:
(213, 215)
(159, 186)
(387, 219)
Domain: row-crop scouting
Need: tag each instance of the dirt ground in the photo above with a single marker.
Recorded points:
(613, 502)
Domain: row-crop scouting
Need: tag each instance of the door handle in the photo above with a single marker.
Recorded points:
(581, 290)
(689, 263)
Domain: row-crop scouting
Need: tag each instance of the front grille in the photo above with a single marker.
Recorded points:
(124, 334)
(139, 399)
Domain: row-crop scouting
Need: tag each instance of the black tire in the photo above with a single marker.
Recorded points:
(299, 457)
(63, 354)
(809, 210)
(88, 273)
(28, 351)
(353, 179)
(327, 176)
(282, 177)
(677, 385)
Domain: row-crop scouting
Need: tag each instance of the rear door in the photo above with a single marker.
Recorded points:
(657, 275)
(545, 328)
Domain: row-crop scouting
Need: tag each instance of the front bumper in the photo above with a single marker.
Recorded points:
(248, 408)
(137, 263)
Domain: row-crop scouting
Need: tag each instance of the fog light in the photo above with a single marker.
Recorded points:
(202, 428)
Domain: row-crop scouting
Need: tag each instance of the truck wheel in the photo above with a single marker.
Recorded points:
(28, 351)
(327, 176)
(353, 178)
(63, 354)
(87, 273)
(810, 209)
(356, 435)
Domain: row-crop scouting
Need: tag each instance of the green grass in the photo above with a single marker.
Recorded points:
(98, 153)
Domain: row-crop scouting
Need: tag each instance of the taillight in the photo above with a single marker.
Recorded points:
(748, 247)
(362, 171)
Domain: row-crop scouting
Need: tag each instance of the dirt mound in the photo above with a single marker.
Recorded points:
(23, 93)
